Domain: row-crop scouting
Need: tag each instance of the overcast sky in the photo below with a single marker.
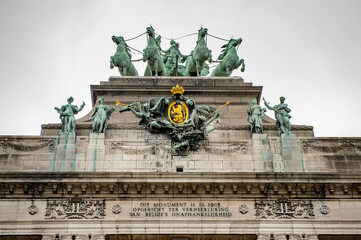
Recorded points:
(308, 51)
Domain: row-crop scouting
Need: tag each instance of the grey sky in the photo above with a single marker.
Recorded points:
(309, 51)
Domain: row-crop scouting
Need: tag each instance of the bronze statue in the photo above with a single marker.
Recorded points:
(200, 54)
(229, 59)
(67, 117)
(255, 115)
(185, 122)
(152, 55)
(101, 115)
(122, 58)
(172, 58)
(282, 116)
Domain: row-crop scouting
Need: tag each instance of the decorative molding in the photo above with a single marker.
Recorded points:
(243, 208)
(302, 236)
(324, 209)
(116, 209)
(89, 126)
(16, 145)
(283, 208)
(153, 148)
(81, 237)
(48, 237)
(262, 236)
(75, 208)
(222, 150)
(265, 127)
(33, 209)
(344, 144)
(156, 148)
(82, 125)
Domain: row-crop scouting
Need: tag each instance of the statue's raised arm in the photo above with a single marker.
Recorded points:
(267, 104)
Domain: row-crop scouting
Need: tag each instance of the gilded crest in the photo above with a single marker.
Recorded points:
(178, 112)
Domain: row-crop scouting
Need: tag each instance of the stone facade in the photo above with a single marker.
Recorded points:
(129, 184)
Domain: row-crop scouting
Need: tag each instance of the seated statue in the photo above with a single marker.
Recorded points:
(67, 117)
(101, 115)
(282, 116)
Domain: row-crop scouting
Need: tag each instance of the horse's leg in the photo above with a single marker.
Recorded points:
(125, 69)
(145, 57)
(156, 68)
(227, 70)
(111, 62)
(243, 65)
(198, 68)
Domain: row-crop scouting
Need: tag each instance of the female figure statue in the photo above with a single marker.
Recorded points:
(101, 116)
(255, 115)
(282, 116)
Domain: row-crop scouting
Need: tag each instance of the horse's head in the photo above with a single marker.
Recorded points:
(118, 39)
(234, 42)
(202, 32)
(150, 31)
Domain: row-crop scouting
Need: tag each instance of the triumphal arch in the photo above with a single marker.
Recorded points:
(185, 152)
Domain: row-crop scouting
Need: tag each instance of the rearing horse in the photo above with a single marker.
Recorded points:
(122, 58)
(200, 54)
(152, 55)
(229, 59)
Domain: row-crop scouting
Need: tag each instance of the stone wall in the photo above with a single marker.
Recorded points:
(137, 150)
(130, 184)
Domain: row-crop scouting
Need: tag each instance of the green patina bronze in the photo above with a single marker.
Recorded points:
(255, 115)
(172, 58)
(67, 117)
(200, 54)
(162, 116)
(101, 115)
(229, 59)
(122, 58)
(186, 137)
(282, 116)
(152, 55)
(168, 64)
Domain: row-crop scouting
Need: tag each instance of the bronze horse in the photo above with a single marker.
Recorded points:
(152, 55)
(201, 53)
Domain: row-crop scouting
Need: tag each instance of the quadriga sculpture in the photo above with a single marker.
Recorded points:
(229, 59)
(152, 55)
(200, 54)
(122, 58)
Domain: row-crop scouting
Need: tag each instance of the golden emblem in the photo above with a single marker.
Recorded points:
(177, 90)
(178, 112)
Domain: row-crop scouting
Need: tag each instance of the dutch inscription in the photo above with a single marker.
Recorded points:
(180, 209)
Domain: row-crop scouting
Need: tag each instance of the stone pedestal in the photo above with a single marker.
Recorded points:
(262, 156)
(95, 153)
(291, 153)
(64, 154)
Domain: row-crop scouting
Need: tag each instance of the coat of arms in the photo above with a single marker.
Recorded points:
(186, 122)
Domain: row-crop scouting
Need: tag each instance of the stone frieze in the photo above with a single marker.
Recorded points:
(284, 208)
(343, 145)
(18, 146)
(75, 208)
